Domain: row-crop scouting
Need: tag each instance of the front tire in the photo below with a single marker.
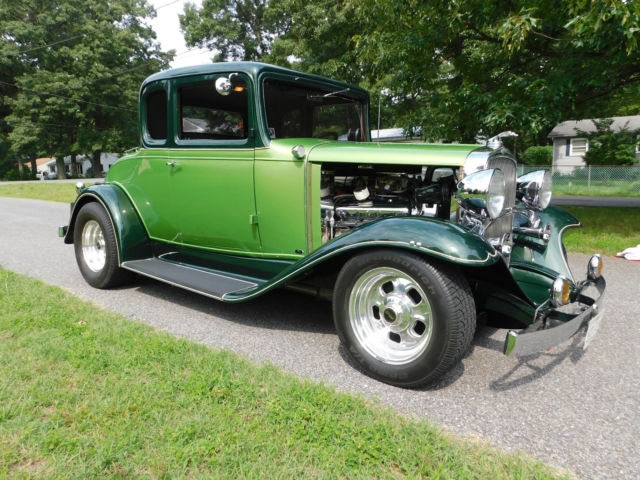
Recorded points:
(405, 320)
(96, 249)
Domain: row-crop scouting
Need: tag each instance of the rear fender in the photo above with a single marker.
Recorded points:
(131, 236)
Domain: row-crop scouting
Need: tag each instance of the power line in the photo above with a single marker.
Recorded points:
(68, 98)
(64, 40)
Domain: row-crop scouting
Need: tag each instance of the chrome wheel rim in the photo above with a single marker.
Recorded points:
(390, 315)
(93, 246)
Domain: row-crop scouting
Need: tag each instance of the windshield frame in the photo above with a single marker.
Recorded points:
(338, 88)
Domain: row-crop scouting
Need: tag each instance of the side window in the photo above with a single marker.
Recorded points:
(205, 114)
(156, 106)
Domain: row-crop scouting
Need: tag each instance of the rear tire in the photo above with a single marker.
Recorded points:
(96, 249)
(404, 319)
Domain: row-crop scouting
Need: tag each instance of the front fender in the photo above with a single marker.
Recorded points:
(427, 236)
(131, 236)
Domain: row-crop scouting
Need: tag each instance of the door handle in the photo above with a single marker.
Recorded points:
(172, 163)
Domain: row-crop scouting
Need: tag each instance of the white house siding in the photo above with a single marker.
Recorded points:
(561, 161)
(83, 161)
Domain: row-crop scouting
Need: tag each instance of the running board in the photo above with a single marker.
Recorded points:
(211, 284)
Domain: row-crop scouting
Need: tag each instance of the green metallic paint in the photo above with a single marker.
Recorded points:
(535, 265)
(280, 199)
(426, 236)
(444, 155)
(133, 243)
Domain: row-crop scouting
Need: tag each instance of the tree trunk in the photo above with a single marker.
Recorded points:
(74, 165)
(20, 169)
(34, 167)
(62, 174)
(96, 166)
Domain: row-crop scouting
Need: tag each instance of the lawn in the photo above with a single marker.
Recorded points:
(56, 192)
(606, 230)
(85, 393)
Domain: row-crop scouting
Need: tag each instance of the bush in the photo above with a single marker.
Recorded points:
(540, 155)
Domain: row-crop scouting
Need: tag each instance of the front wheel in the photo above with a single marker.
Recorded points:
(404, 319)
(96, 249)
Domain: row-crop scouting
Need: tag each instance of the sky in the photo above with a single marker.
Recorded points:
(167, 28)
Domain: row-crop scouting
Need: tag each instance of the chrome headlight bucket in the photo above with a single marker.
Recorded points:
(483, 193)
(534, 189)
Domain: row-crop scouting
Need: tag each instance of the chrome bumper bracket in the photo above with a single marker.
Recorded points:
(527, 342)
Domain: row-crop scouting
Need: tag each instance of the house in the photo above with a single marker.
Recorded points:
(569, 147)
(47, 166)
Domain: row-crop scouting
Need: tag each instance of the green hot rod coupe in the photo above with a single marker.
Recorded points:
(252, 177)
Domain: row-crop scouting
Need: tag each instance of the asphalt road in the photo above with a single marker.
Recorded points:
(572, 409)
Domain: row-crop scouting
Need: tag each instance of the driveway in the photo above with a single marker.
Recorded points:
(573, 409)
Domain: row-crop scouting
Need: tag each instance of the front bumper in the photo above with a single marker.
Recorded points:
(555, 329)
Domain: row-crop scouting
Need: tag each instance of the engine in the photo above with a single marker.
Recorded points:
(352, 195)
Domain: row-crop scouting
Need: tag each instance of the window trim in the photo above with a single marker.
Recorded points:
(147, 140)
(571, 147)
(178, 83)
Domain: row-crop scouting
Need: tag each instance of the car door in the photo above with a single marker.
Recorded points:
(212, 184)
(148, 179)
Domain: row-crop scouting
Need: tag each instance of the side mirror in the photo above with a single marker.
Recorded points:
(224, 85)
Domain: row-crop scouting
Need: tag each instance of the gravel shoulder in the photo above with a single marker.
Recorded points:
(573, 409)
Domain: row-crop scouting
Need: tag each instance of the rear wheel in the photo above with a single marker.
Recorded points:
(96, 249)
(404, 319)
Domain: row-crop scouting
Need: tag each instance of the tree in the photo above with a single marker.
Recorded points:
(538, 155)
(234, 29)
(81, 67)
(488, 66)
(609, 147)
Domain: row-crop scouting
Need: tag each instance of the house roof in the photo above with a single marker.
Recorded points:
(570, 128)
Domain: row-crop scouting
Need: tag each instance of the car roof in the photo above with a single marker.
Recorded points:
(253, 69)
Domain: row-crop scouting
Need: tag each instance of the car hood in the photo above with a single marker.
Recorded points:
(322, 151)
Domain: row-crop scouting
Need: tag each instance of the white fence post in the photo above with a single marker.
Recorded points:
(589, 178)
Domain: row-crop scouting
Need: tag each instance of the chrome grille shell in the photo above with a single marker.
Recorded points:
(504, 223)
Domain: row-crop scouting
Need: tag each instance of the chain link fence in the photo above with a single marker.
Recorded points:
(605, 181)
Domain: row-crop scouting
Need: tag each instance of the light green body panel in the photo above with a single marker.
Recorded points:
(281, 199)
(391, 153)
(205, 200)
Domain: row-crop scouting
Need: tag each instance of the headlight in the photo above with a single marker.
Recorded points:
(534, 189)
(483, 192)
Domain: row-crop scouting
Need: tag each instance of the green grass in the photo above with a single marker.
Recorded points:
(606, 230)
(597, 188)
(85, 393)
(55, 192)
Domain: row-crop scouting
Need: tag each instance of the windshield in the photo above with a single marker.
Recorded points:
(298, 111)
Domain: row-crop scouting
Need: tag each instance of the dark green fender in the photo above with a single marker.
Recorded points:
(426, 236)
(133, 243)
(535, 265)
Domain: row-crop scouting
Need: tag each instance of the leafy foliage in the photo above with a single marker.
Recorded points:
(610, 147)
(538, 155)
(76, 67)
